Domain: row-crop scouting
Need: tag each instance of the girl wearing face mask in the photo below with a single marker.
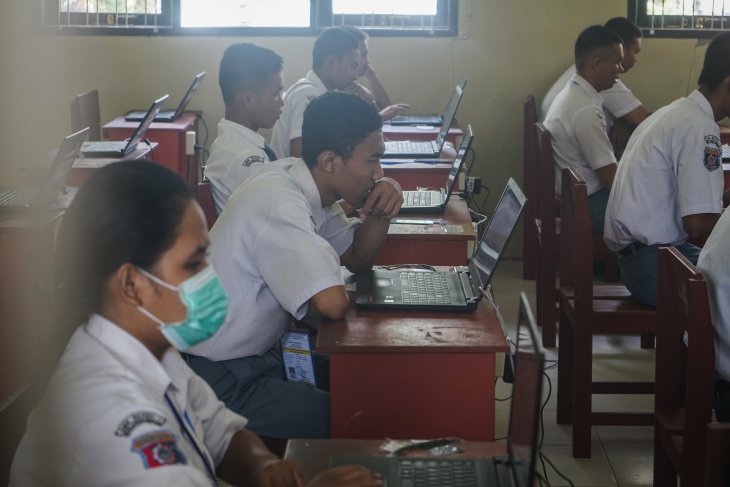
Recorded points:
(122, 407)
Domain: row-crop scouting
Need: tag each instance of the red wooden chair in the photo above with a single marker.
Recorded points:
(529, 173)
(581, 317)
(684, 374)
(717, 468)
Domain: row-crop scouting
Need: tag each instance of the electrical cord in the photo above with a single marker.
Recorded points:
(425, 267)
(543, 457)
(204, 145)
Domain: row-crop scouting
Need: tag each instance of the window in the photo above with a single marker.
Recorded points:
(251, 17)
(681, 18)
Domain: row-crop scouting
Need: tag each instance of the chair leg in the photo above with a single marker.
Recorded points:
(565, 376)
(647, 341)
(547, 310)
(582, 394)
(664, 473)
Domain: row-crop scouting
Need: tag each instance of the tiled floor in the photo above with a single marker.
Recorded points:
(622, 456)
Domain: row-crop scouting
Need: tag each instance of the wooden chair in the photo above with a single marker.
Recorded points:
(204, 196)
(717, 468)
(529, 177)
(581, 317)
(684, 374)
(85, 112)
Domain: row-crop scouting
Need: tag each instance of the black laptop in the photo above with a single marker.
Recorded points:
(454, 290)
(517, 469)
(426, 148)
(49, 195)
(433, 120)
(120, 148)
(167, 116)
(430, 201)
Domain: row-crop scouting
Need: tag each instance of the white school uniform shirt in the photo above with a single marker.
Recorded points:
(274, 247)
(105, 419)
(578, 127)
(618, 100)
(235, 154)
(672, 167)
(289, 124)
(714, 262)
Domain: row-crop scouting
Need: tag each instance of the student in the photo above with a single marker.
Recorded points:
(251, 83)
(623, 110)
(335, 59)
(376, 94)
(279, 245)
(577, 123)
(122, 407)
(669, 185)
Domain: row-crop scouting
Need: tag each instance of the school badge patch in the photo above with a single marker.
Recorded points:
(158, 449)
(712, 158)
(253, 160)
(133, 420)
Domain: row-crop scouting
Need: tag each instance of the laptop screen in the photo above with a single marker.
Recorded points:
(69, 151)
(146, 122)
(500, 228)
(458, 162)
(191, 91)
(526, 398)
(450, 111)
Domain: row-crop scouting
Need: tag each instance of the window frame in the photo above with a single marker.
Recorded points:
(638, 14)
(320, 13)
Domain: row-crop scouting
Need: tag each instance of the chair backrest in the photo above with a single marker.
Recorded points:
(85, 112)
(204, 196)
(684, 380)
(717, 468)
(545, 209)
(576, 241)
(529, 177)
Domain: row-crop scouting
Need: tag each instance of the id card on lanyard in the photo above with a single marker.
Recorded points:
(297, 353)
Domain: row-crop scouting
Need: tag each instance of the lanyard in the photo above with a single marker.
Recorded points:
(191, 438)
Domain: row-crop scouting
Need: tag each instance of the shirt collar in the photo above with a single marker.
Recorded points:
(702, 102)
(588, 88)
(254, 137)
(306, 183)
(315, 80)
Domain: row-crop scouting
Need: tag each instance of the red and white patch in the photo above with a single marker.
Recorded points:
(158, 449)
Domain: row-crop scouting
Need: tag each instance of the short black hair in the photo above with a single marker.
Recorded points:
(626, 30)
(334, 41)
(356, 32)
(126, 212)
(246, 65)
(717, 62)
(337, 122)
(593, 39)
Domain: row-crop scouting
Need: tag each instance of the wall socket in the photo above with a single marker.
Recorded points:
(473, 185)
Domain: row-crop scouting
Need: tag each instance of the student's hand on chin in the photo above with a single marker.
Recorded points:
(347, 476)
(384, 201)
(284, 473)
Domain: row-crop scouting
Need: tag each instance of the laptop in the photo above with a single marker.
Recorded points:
(432, 119)
(167, 116)
(120, 148)
(458, 290)
(427, 201)
(517, 469)
(50, 193)
(426, 148)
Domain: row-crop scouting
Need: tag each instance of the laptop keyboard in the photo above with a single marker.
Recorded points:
(428, 473)
(409, 147)
(15, 197)
(424, 288)
(103, 146)
(418, 198)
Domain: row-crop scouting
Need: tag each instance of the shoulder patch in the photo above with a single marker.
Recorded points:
(253, 160)
(158, 449)
(712, 158)
(136, 418)
(712, 139)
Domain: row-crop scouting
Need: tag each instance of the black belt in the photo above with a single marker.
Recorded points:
(631, 248)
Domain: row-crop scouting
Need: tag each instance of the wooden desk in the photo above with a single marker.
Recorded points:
(413, 374)
(419, 132)
(724, 134)
(412, 175)
(85, 167)
(447, 243)
(314, 455)
(171, 137)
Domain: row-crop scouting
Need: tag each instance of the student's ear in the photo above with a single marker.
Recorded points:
(127, 284)
(330, 62)
(327, 161)
(246, 98)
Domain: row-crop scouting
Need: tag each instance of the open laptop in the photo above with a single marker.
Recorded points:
(426, 148)
(120, 148)
(429, 201)
(49, 194)
(517, 469)
(170, 115)
(432, 119)
(453, 290)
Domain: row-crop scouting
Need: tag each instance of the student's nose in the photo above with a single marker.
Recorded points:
(379, 174)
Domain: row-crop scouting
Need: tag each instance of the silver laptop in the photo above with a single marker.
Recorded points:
(449, 291)
(120, 148)
(429, 201)
(517, 469)
(167, 116)
(49, 195)
(432, 119)
(426, 148)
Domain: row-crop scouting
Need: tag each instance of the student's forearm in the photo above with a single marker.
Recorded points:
(369, 238)
(245, 457)
(382, 99)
